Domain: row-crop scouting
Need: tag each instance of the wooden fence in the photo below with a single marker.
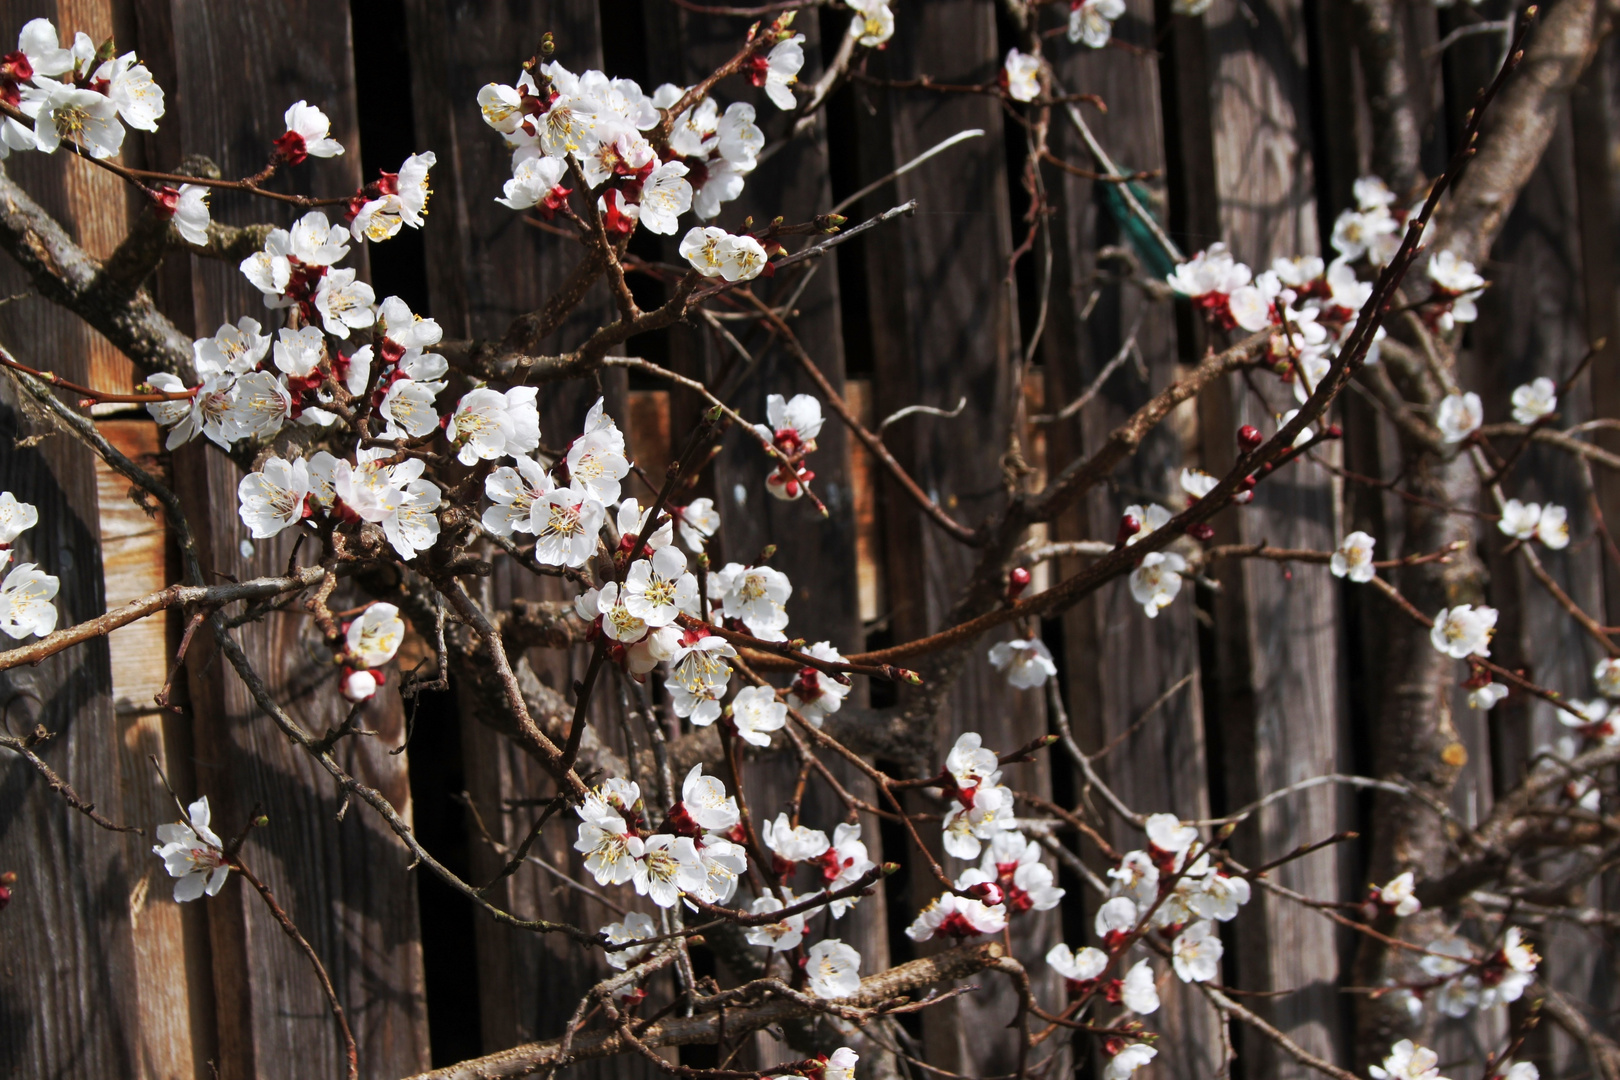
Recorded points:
(1250, 115)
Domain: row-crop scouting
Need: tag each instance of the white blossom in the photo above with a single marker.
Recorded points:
(723, 183)
(1552, 529)
(757, 595)
(16, 518)
(1456, 280)
(193, 854)
(1140, 993)
(513, 491)
(706, 801)
(658, 589)
(1028, 663)
(970, 763)
(370, 489)
(778, 936)
(741, 258)
(1125, 1063)
(668, 866)
(1460, 416)
(258, 406)
(488, 424)
(637, 926)
(793, 843)
(1464, 630)
(815, 694)
(25, 601)
(1149, 519)
(1519, 519)
(989, 811)
(272, 499)
(375, 635)
(701, 248)
(757, 713)
(534, 175)
(403, 201)
(1408, 1061)
(739, 139)
(358, 686)
(782, 71)
(1399, 895)
(724, 863)
(698, 521)
(841, 1065)
(951, 915)
(413, 527)
(344, 303)
(1535, 399)
(1487, 696)
(844, 864)
(191, 217)
(63, 111)
(1137, 877)
(699, 677)
(1021, 72)
(39, 42)
(1196, 953)
(1219, 896)
(308, 133)
(1607, 677)
(234, 350)
(1354, 558)
(1092, 21)
(665, 196)
(596, 462)
(873, 24)
(1157, 581)
(1080, 966)
(833, 969)
(1116, 916)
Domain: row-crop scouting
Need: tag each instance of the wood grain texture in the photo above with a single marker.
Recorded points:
(1277, 639)
(68, 952)
(343, 882)
(1117, 660)
(486, 266)
(944, 326)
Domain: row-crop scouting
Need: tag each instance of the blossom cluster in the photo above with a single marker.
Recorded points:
(82, 93)
(27, 592)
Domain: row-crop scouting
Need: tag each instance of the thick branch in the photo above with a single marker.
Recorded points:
(706, 1027)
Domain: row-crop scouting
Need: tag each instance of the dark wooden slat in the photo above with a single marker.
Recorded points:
(1118, 661)
(944, 326)
(345, 883)
(1277, 646)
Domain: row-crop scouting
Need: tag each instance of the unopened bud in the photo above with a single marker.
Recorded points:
(1333, 431)
(1203, 530)
(1249, 437)
(1017, 581)
(910, 677)
(1128, 527)
(766, 553)
(261, 821)
(8, 878)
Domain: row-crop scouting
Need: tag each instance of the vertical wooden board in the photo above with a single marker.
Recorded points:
(944, 328)
(817, 553)
(171, 944)
(487, 265)
(1118, 660)
(1537, 262)
(344, 882)
(66, 951)
(1281, 692)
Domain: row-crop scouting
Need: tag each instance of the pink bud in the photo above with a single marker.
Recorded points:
(1017, 582)
(1128, 527)
(1249, 437)
(1201, 531)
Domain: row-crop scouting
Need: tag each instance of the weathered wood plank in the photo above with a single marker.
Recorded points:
(1118, 661)
(344, 883)
(1278, 677)
(944, 325)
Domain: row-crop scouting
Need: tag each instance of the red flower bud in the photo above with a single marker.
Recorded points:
(1201, 531)
(1128, 527)
(1017, 581)
(1249, 437)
